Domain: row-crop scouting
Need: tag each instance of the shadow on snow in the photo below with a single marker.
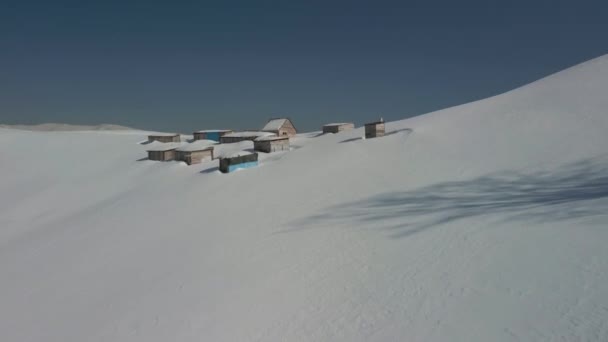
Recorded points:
(548, 196)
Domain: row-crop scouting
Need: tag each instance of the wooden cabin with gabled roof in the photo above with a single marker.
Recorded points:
(280, 127)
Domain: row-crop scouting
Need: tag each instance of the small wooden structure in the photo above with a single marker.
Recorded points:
(271, 144)
(241, 160)
(243, 136)
(194, 155)
(338, 127)
(211, 134)
(162, 153)
(374, 129)
(164, 138)
(280, 127)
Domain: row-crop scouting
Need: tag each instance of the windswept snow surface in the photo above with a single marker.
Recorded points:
(483, 222)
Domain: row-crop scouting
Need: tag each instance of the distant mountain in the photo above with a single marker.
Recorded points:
(55, 127)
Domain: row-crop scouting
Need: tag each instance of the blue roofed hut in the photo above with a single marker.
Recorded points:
(211, 134)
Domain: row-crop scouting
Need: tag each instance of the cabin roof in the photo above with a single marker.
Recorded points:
(160, 147)
(275, 124)
(232, 154)
(249, 134)
(198, 145)
(163, 135)
(272, 138)
(213, 131)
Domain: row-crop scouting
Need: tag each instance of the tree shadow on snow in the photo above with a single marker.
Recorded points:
(564, 194)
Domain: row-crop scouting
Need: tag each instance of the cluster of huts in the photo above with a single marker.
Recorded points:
(273, 137)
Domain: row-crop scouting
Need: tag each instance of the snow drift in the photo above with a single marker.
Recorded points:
(485, 221)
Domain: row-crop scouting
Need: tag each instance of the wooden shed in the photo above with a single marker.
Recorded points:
(280, 127)
(271, 144)
(211, 134)
(162, 153)
(240, 160)
(244, 136)
(374, 129)
(164, 138)
(195, 153)
(338, 127)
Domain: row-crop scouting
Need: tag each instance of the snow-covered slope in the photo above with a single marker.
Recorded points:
(483, 222)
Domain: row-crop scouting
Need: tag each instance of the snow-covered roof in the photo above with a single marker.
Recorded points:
(163, 134)
(232, 154)
(249, 134)
(158, 146)
(339, 123)
(271, 138)
(274, 124)
(213, 130)
(198, 145)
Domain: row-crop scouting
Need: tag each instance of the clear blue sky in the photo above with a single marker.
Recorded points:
(233, 64)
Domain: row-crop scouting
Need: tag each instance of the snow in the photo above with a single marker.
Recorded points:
(156, 134)
(482, 222)
(198, 145)
(237, 154)
(271, 138)
(274, 124)
(159, 146)
(233, 150)
(250, 134)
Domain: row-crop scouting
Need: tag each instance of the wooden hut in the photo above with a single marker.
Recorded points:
(194, 155)
(338, 127)
(243, 136)
(280, 127)
(271, 144)
(162, 153)
(374, 129)
(164, 138)
(211, 134)
(240, 160)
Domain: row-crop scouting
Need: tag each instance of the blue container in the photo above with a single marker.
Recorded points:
(244, 161)
(242, 166)
(215, 136)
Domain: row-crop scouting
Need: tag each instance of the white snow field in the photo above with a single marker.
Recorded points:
(483, 222)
